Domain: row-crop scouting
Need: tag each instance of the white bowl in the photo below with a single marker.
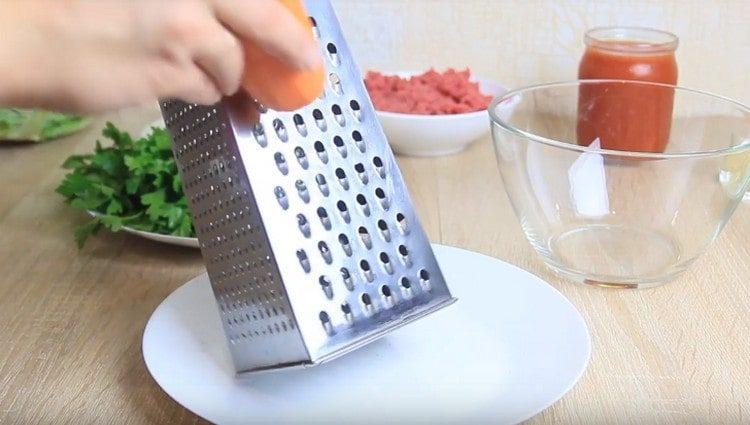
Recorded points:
(434, 135)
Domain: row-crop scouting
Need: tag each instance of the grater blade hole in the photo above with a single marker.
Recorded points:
(299, 122)
(325, 285)
(303, 260)
(364, 236)
(344, 211)
(403, 252)
(424, 277)
(325, 252)
(405, 283)
(281, 197)
(369, 308)
(356, 110)
(340, 146)
(363, 205)
(322, 184)
(403, 225)
(314, 25)
(280, 129)
(319, 119)
(301, 157)
(345, 245)
(346, 309)
(341, 176)
(338, 115)
(325, 320)
(302, 191)
(281, 164)
(385, 232)
(304, 225)
(361, 172)
(335, 82)
(364, 265)
(333, 54)
(386, 291)
(378, 163)
(385, 203)
(324, 219)
(385, 262)
(260, 135)
(357, 137)
(347, 278)
(321, 150)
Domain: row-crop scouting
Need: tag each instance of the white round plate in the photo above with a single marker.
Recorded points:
(169, 239)
(511, 346)
(160, 237)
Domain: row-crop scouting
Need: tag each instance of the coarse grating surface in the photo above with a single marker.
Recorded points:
(308, 234)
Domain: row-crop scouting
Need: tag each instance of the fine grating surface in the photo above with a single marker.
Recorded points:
(238, 258)
(309, 237)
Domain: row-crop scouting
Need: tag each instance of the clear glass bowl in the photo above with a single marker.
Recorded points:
(620, 218)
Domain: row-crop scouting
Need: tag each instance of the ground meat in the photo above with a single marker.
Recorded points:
(431, 93)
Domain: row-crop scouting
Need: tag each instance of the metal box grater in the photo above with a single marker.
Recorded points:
(310, 239)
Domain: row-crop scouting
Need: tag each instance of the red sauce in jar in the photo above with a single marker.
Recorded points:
(621, 116)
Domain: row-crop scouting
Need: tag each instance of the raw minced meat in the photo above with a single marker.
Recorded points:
(430, 93)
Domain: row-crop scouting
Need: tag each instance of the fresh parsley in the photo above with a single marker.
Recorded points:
(131, 183)
(37, 125)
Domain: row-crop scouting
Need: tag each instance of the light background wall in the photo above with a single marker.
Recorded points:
(521, 42)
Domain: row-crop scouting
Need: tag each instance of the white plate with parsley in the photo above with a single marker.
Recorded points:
(130, 185)
(160, 237)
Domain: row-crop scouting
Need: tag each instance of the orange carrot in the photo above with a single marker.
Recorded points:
(276, 84)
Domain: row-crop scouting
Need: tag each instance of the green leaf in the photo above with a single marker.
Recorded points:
(75, 161)
(83, 232)
(132, 184)
(74, 184)
(161, 139)
(10, 119)
(121, 139)
(112, 222)
(176, 183)
(114, 207)
(37, 125)
(59, 125)
(109, 161)
(153, 198)
(128, 182)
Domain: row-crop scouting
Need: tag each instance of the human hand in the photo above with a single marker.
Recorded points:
(96, 55)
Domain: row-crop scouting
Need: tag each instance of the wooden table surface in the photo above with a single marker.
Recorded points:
(71, 321)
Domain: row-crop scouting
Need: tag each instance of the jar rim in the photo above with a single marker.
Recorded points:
(631, 39)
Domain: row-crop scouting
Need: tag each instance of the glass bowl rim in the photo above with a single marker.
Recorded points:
(496, 120)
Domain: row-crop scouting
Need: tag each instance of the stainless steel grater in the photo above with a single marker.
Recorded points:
(310, 239)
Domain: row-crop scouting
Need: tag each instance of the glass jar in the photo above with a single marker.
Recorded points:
(631, 118)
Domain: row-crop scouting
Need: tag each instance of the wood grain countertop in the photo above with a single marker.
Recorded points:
(71, 321)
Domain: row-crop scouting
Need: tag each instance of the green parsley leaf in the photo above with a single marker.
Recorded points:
(127, 182)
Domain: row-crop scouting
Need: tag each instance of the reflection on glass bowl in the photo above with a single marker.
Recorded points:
(620, 218)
